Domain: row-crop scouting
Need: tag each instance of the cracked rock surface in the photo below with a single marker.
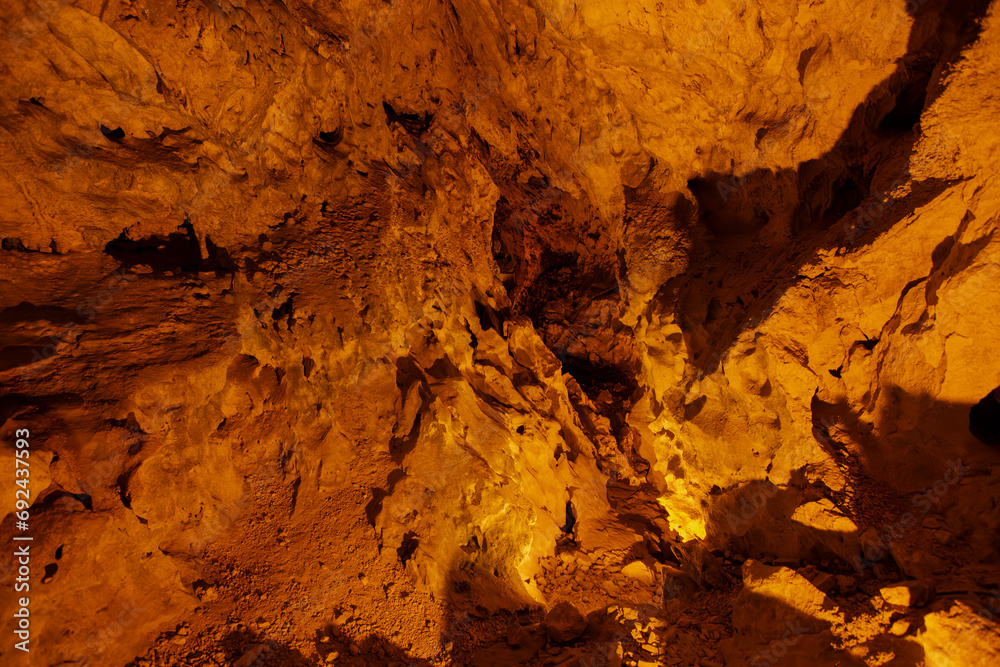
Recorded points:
(493, 333)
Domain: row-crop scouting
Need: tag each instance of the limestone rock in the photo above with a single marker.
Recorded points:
(906, 594)
(367, 320)
(564, 623)
(958, 636)
(639, 571)
(677, 584)
(774, 595)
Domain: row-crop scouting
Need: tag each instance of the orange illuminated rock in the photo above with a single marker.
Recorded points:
(367, 331)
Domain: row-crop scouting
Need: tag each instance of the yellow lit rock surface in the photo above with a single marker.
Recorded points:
(372, 332)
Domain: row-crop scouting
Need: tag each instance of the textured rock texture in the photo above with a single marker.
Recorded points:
(480, 332)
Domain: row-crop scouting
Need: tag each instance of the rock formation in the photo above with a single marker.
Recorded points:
(373, 332)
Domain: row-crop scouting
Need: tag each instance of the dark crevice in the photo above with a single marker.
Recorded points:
(984, 419)
(570, 518)
(178, 252)
(29, 312)
(123, 492)
(218, 259)
(909, 106)
(868, 343)
(413, 124)
(490, 318)
(804, 58)
(296, 485)
(594, 379)
(284, 314)
(332, 138)
(13, 243)
(504, 258)
(115, 135)
(408, 547)
(374, 506)
(408, 374)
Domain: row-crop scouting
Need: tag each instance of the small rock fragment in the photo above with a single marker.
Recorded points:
(846, 584)
(678, 585)
(516, 635)
(906, 594)
(824, 582)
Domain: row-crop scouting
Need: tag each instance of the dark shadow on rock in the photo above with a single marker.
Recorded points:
(770, 632)
(249, 649)
(491, 624)
(984, 418)
(880, 476)
(755, 520)
(745, 522)
(373, 650)
(29, 312)
(415, 399)
(736, 276)
(244, 648)
(177, 251)
(484, 608)
(933, 433)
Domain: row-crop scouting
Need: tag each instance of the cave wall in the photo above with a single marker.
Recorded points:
(455, 273)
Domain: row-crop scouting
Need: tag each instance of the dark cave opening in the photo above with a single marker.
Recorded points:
(178, 252)
(504, 258)
(595, 378)
(728, 204)
(570, 518)
(115, 135)
(984, 418)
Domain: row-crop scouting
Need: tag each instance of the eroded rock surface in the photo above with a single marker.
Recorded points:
(373, 332)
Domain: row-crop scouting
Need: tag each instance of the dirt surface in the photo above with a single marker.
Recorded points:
(499, 333)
